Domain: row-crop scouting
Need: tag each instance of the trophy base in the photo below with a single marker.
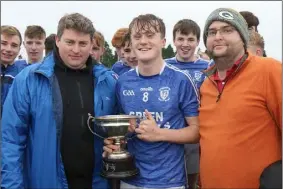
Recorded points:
(121, 168)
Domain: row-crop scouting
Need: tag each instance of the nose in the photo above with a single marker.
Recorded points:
(8, 48)
(218, 35)
(33, 46)
(76, 48)
(143, 39)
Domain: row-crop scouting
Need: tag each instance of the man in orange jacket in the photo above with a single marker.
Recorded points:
(241, 107)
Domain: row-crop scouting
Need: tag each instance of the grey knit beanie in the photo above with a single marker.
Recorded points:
(229, 16)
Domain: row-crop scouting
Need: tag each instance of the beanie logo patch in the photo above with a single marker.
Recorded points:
(226, 15)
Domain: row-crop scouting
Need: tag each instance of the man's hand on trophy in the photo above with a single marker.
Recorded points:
(109, 147)
(132, 126)
(148, 129)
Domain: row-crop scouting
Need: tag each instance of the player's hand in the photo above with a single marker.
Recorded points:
(133, 125)
(109, 147)
(148, 129)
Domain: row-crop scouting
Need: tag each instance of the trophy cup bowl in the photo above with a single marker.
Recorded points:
(119, 164)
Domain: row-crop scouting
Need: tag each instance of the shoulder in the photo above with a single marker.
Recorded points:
(178, 74)
(170, 60)
(127, 76)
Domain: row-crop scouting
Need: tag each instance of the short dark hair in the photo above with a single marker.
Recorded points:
(49, 43)
(145, 21)
(250, 18)
(35, 31)
(185, 27)
(77, 22)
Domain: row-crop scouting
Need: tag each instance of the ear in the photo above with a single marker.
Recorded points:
(103, 50)
(57, 40)
(197, 42)
(259, 52)
(24, 43)
(163, 42)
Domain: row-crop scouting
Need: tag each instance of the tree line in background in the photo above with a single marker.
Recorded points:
(108, 59)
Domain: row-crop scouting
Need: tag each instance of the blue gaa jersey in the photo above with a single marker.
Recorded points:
(120, 67)
(170, 97)
(193, 68)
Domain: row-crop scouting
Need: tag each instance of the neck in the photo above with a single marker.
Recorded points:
(225, 63)
(30, 61)
(151, 68)
(189, 59)
(6, 64)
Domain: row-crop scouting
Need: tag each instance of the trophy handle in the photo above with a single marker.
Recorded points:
(91, 118)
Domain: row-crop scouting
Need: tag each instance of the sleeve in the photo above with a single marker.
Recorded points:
(14, 134)
(188, 97)
(273, 90)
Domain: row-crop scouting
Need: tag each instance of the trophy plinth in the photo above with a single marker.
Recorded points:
(119, 164)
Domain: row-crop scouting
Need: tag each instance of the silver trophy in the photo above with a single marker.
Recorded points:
(119, 164)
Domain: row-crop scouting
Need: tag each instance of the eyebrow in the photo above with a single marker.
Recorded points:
(213, 28)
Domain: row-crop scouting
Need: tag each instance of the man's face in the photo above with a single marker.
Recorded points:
(96, 52)
(10, 48)
(223, 40)
(130, 56)
(147, 44)
(185, 46)
(34, 48)
(74, 48)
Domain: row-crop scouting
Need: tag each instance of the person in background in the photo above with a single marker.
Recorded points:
(121, 65)
(97, 50)
(186, 36)
(49, 43)
(256, 43)
(252, 22)
(11, 41)
(34, 39)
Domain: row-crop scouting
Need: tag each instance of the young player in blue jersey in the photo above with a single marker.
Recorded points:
(34, 39)
(186, 36)
(167, 99)
(121, 66)
(11, 40)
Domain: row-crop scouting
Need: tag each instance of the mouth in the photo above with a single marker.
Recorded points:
(185, 50)
(7, 56)
(75, 57)
(33, 53)
(144, 49)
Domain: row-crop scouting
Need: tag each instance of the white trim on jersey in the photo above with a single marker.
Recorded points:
(188, 76)
(161, 71)
(9, 76)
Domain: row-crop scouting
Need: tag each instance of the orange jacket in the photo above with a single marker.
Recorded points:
(241, 133)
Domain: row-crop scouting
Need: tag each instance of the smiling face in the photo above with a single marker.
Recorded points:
(185, 46)
(129, 54)
(147, 43)
(74, 48)
(223, 40)
(10, 48)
